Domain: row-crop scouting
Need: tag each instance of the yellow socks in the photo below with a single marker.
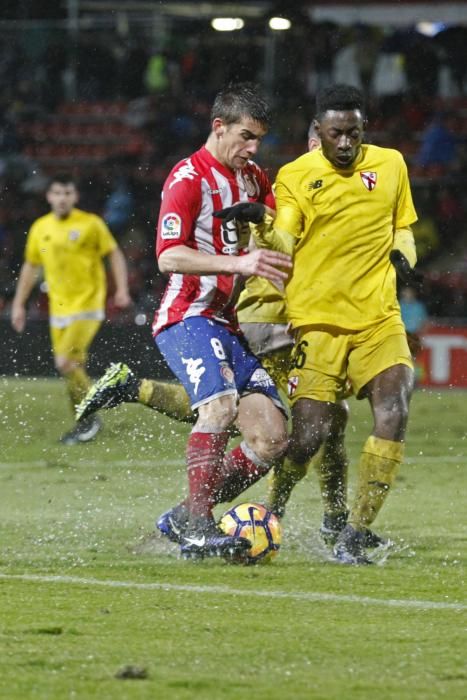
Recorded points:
(77, 383)
(331, 467)
(167, 398)
(378, 468)
(282, 479)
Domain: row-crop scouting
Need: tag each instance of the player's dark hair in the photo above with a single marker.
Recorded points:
(62, 179)
(339, 98)
(239, 100)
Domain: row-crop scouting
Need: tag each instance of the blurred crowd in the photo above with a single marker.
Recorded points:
(119, 114)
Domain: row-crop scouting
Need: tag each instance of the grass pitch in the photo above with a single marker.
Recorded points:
(90, 596)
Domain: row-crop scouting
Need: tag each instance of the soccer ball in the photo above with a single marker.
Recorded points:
(257, 524)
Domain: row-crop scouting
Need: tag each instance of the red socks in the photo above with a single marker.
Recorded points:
(214, 477)
(205, 455)
(241, 468)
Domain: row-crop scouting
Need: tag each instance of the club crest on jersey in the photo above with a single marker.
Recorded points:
(171, 226)
(369, 179)
(292, 385)
(227, 373)
(73, 235)
(251, 185)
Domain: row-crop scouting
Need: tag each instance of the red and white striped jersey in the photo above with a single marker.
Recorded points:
(195, 188)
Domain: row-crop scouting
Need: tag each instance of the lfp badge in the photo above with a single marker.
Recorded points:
(171, 226)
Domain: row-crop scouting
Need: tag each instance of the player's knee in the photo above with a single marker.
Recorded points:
(303, 446)
(269, 447)
(268, 438)
(391, 419)
(218, 414)
(64, 365)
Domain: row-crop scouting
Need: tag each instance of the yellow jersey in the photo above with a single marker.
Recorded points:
(261, 302)
(343, 223)
(71, 250)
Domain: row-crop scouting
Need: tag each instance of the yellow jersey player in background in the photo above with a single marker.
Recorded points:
(70, 244)
(345, 211)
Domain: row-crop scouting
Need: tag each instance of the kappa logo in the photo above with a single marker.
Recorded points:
(369, 179)
(185, 172)
(195, 370)
(73, 235)
(171, 226)
(315, 185)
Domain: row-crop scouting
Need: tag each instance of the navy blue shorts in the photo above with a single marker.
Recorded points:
(210, 361)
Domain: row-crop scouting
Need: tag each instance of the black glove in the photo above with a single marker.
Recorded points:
(406, 274)
(243, 211)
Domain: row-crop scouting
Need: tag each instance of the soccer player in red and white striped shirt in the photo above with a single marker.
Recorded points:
(195, 326)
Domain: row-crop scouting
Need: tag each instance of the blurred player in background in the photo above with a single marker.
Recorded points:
(196, 328)
(69, 244)
(345, 211)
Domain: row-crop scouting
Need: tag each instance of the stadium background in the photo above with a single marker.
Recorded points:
(116, 92)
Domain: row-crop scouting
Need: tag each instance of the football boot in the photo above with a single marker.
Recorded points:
(173, 523)
(332, 525)
(204, 539)
(349, 547)
(117, 385)
(84, 431)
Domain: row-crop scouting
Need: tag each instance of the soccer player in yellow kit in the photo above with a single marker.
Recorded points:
(69, 244)
(345, 211)
(262, 313)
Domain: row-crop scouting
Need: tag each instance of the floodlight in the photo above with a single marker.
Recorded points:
(227, 24)
(279, 24)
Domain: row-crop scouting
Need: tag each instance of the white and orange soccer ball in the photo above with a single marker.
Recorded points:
(258, 525)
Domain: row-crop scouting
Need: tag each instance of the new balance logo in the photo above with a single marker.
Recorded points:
(185, 172)
(195, 370)
(315, 185)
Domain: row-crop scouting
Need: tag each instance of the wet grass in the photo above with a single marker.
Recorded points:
(94, 605)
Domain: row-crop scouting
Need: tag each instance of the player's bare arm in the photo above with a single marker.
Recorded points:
(26, 281)
(264, 263)
(119, 271)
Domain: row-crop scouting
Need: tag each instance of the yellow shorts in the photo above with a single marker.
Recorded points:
(325, 357)
(277, 365)
(74, 340)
